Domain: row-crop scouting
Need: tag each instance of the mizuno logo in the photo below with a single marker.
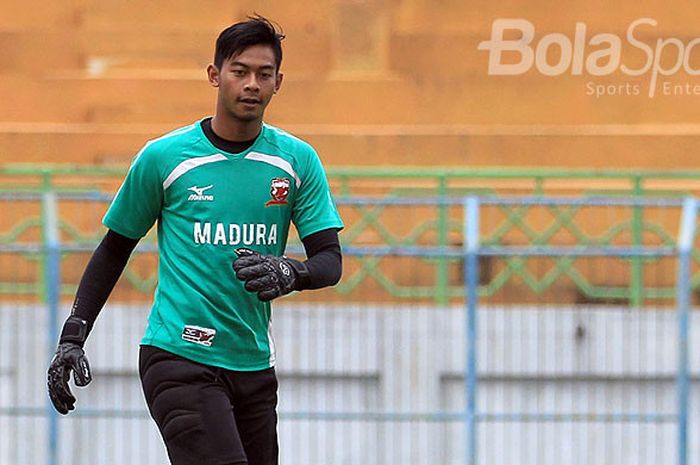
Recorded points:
(199, 193)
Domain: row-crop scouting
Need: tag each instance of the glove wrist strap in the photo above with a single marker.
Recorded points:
(302, 272)
(75, 329)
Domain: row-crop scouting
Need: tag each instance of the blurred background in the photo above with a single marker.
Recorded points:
(518, 185)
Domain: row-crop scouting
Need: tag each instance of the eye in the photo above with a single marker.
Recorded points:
(266, 75)
(238, 72)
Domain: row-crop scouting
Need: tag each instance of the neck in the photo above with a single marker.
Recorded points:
(235, 130)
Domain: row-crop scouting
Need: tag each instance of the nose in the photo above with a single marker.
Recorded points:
(252, 83)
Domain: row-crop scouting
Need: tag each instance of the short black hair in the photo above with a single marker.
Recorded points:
(256, 30)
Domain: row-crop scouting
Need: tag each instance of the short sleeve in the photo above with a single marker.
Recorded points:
(139, 200)
(314, 207)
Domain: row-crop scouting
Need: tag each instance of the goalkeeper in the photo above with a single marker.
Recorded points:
(224, 191)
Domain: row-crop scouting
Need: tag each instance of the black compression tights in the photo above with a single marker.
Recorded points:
(208, 415)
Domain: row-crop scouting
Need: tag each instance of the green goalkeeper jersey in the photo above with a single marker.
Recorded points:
(208, 203)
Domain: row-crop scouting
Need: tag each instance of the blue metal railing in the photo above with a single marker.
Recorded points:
(471, 251)
(686, 238)
(683, 252)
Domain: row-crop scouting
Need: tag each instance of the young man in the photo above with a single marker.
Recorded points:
(224, 191)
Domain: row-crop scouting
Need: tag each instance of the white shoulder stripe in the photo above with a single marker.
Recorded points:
(274, 160)
(187, 165)
(283, 133)
(176, 132)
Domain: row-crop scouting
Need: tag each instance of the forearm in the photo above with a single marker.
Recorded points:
(325, 260)
(99, 278)
(325, 269)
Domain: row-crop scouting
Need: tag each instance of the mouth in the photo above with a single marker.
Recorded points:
(249, 101)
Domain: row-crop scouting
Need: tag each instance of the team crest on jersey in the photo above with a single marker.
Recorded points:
(198, 335)
(279, 190)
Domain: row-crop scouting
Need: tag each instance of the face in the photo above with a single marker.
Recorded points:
(246, 83)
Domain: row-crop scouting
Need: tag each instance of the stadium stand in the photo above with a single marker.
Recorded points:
(367, 82)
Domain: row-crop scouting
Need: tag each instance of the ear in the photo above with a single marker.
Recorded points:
(278, 81)
(213, 75)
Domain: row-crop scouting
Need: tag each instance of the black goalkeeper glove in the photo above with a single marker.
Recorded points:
(268, 275)
(69, 357)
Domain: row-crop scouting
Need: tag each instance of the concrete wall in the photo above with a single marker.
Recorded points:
(400, 360)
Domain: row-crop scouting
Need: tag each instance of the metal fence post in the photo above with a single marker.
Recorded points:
(52, 295)
(686, 238)
(637, 271)
(471, 273)
(442, 279)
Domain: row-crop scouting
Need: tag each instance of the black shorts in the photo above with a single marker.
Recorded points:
(209, 415)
